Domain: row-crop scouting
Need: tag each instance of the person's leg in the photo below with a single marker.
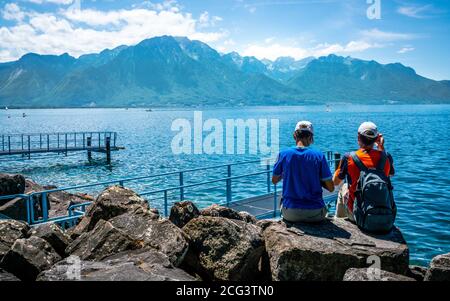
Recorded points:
(342, 209)
(304, 215)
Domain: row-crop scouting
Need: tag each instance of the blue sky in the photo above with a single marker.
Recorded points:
(415, 33)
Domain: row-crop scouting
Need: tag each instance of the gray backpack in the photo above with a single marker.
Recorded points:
(374, 208)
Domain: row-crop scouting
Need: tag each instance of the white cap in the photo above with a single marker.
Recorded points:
(304, 126)
(368, 129)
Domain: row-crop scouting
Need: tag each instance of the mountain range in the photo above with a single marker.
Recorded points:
(176, 71)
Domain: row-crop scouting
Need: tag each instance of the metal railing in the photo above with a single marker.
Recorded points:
(50, 142)
(77, 210)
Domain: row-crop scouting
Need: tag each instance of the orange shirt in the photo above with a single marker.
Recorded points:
(348, 170)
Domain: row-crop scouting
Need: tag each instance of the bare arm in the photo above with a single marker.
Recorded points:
(276, 179)
(328, 185)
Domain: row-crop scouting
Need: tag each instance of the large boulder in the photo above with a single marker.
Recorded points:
(373, 274)
(5, 276)
(113, 201)
(10, 231)
(223, 249)
(11, 184)
(326, 251)
(152, 232)
(53, 234)
(28, 257)
(182, 212)
(226, 212)
(439, 268)
(417, 272)
(103, 241)
(141, 265)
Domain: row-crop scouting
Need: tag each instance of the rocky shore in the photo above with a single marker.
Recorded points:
(121, 238)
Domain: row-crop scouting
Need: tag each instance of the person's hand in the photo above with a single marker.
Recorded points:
(380, 142)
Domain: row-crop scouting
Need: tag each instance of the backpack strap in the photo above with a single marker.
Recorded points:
(358, 161)
(382, 162)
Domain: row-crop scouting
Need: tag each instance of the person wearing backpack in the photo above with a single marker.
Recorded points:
(367, 199)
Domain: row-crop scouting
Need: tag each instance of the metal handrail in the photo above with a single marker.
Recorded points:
(73, 215)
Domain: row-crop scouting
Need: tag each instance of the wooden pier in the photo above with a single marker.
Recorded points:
(62, 143)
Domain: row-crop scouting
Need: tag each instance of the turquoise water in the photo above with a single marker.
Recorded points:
(416, 136)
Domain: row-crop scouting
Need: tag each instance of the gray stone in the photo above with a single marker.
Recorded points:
(11, 184)
(373, 274)
(112, 202)
(150, 231)
(28, 257)
(221, 211)
(417, 272)
(326, 251)
(53, 234)
(182, 212)
(10, 231)
(103, 241)
(5, 276)
(223, 249)
(141, 265)
(439, 268)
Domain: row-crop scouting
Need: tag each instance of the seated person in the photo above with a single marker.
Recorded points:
(304, 171)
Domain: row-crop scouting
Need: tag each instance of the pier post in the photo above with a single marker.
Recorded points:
(89, 144)
(108, 150)
(337, 159)
(181, 187)
(229, 198)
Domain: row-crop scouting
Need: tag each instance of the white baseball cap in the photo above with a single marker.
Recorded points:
(304, 126)
(368, 129)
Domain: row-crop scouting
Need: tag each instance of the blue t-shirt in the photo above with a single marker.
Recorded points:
(302, 169)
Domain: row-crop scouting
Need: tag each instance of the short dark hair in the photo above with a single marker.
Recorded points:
(301, 135)
(366, 140)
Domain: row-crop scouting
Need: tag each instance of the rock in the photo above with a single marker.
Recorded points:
(417, 272)
(223, 249)
(221, 211)
(10, 231)
(11, 184)
(182, 212)
(5, 276)
(113, 201)
(159, 234)
(373, 274)
(103, 241)
(54, 236)
(326, 251)
(141, 265)
(28, 257)
(439, 268)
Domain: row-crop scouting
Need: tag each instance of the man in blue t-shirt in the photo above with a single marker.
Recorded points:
(304, 172)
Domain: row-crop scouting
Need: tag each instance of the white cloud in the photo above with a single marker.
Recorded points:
(86, 31)
(62, 2)
(13, 12)
(273, 51)
(386, 36)
(419, 12)
(405, 50)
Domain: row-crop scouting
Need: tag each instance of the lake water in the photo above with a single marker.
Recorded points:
(416, 136)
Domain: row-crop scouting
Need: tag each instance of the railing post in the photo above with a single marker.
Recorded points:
(275, 200)
(29, 147)
(84, 140)
(22, 142)
(65, 138)
(181, 187)
(40, 141)
(48, 142)
(229, 198)
(268, 176)
(29, 208)
(3, 142)
(166, 207)
(9, 144)
(108, 150)
(337, 158)
(75, 138)
(44, 207)
(89, 153)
